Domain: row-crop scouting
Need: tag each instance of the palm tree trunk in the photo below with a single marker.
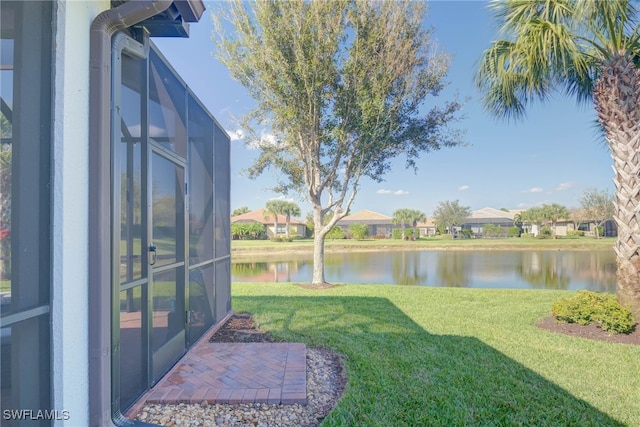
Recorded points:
(617, 99)
(288, 224)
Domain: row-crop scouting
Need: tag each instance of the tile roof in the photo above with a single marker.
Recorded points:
(264, 218)
(491, 213)
(367, 215)
(430, 222)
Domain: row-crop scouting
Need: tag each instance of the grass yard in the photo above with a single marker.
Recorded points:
(446, 356)
(240, 248)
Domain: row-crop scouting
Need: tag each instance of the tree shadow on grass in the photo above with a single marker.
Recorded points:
(401, 375)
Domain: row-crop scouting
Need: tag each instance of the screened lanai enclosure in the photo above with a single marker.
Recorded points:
(170, 233)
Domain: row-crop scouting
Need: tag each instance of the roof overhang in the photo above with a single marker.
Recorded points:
(174, 21)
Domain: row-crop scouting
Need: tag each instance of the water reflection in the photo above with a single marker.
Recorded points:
(453, 269)
(594, 271)
(406, 269)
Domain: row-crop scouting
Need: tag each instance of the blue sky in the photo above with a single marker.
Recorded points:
(551, 156)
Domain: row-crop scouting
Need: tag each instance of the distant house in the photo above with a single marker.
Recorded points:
(379, 224)
(297, 227)
(428, 227)
(484, 216)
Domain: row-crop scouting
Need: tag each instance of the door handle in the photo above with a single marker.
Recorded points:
(153, 254)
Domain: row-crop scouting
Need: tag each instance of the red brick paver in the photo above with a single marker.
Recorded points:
(235, 373)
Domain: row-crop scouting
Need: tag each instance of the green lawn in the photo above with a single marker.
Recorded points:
(253, 247)
(444, 356)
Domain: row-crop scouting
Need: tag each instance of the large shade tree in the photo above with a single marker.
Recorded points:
(591, 51)
(343, 87)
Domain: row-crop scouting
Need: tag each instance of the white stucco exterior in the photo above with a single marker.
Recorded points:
(69, 302)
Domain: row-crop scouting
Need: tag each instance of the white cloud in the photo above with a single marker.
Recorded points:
(394, 192)
(565, 186)
(236, 135)
(463, 188)
(522, 205)
(267, 139)
(534, 190)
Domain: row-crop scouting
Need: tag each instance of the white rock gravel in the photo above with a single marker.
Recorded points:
(325, 383)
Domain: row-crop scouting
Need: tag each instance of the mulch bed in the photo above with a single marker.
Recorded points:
(240, 328)
(592, 331)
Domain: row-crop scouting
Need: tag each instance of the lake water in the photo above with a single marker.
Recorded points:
(595, 271)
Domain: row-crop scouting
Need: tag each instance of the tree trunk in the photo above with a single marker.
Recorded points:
(617, 99)
(318, 247)
(318, 260)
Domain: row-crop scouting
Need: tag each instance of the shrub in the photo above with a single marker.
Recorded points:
(466, 233)
(587, 307)
(545, 233)
(491, 230)
(513, 232)
(575, 233)
(359, 231)
(396, 233)
(527, 235)
(335, 233)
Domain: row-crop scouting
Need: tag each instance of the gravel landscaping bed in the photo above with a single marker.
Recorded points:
(325, 383)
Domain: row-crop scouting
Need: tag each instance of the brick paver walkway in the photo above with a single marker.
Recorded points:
(235, 373)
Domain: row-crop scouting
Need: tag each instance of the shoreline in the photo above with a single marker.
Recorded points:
(266, 248)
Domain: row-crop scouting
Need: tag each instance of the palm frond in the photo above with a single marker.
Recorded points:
(553, 44)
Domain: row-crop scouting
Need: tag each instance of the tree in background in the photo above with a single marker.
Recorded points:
(519, 220)
(240, 211)
(534, 216)
(577, 217)
(418, 216)
(554, 213)
(247, 230)
(290, 209)
(599, 206)
(343, 87)
(273, 208)
(411, 217)
(591, 50)
(402, 217)
(359, 231)
(449, 214)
